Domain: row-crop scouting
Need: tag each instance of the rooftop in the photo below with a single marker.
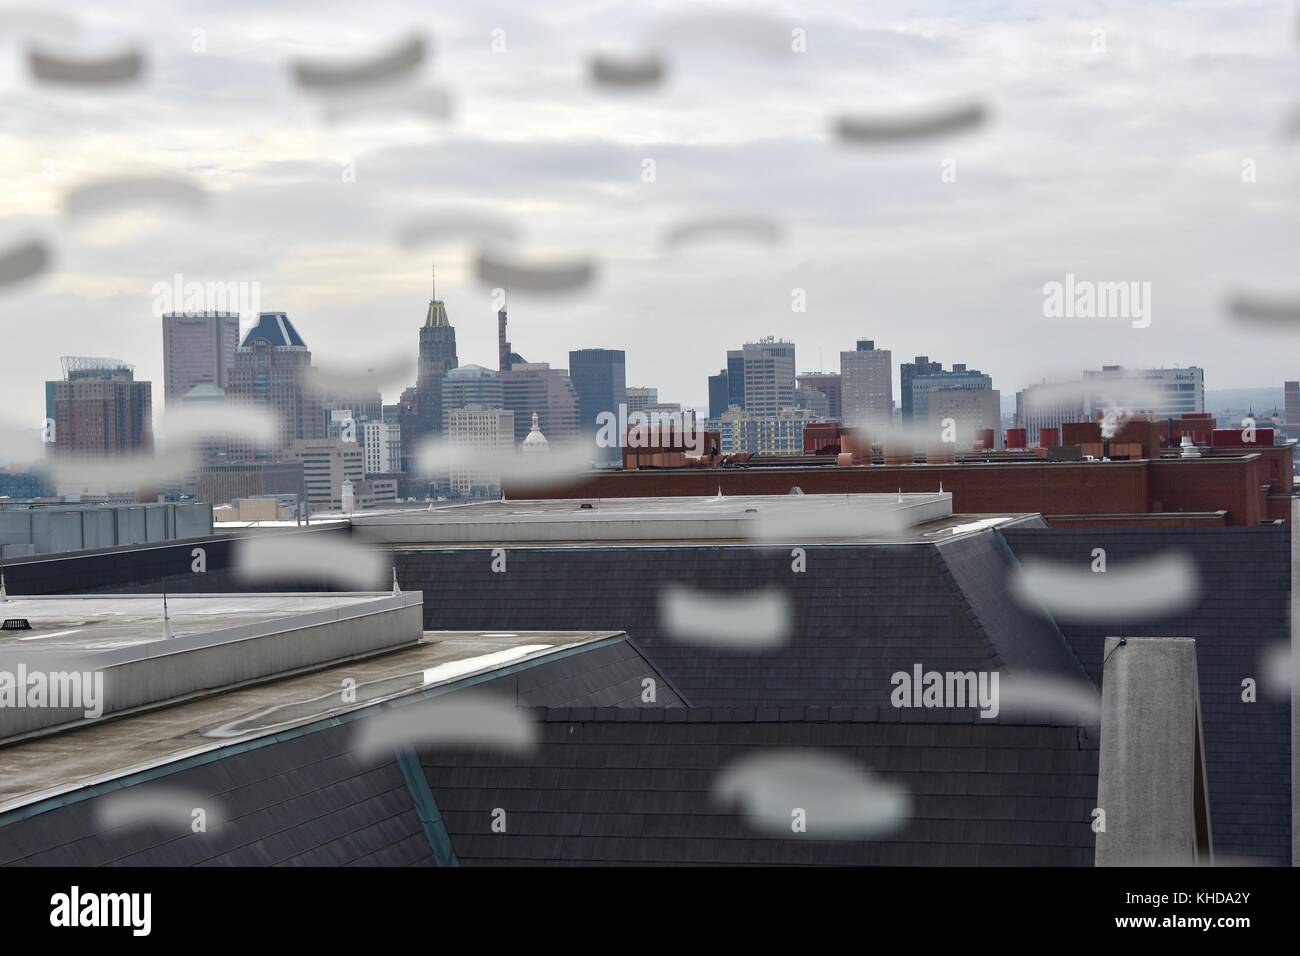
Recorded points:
(748, 519)
(42, 767)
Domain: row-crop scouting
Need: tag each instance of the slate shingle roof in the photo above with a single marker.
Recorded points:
(1242, 612)
(861, 613)
(628, 787)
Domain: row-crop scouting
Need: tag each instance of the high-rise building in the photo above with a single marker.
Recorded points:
(98, 408)
(437, 358)
(736, 378)
(600, 378)
(536, 387)
(198, 349)
(867, 385)
(271, 371)
(382, 447)
(472, 385)
(1159, 392)
(1048, 405)
(640, 397)
(830, 385)
(959, 377)
(719, 394)
(815, 403)
(921, 365)
(489, 429)
(970, 411)
(1291, 392)
(769, 376)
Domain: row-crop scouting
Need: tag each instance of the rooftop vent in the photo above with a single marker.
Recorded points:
(16, 624)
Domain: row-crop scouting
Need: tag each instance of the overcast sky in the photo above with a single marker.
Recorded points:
(1114, 150)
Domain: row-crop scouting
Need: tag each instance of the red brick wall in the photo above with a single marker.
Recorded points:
(1055, 488)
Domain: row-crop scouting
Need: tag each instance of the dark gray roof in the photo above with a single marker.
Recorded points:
(635, 787)
(1241, 613)
(861, 613)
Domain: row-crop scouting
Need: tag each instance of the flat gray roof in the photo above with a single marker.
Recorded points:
(667, 521)
(45, 766)
(84, 626)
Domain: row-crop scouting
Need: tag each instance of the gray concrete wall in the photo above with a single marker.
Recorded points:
(59, 529)
(1151, 777)
(152, 674)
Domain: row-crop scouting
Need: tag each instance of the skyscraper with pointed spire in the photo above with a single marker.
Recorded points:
(437, 358)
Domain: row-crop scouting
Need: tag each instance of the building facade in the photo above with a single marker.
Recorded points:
(198, 349)
(536, 387)
(959, 378)
(769, 376)
(382, 447)
(271, 371)
(921, 365)
(867, 386)
(326, 464)
(1159, 392)
(98, 408)
(600, 378)
(487, 429)
(829, 384)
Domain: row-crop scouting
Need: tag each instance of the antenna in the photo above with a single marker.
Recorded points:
(168, 633)
(433, 282)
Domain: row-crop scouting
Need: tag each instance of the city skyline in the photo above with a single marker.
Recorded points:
(879, 243)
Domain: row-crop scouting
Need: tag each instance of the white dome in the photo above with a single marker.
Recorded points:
(536, 441)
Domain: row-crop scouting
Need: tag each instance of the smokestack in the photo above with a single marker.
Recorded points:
(503, 347)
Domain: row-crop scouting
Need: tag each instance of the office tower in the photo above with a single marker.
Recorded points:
(536, 387)
(907, 371)
(487, 429)
(830, 385)
(599, 376)
(382, 447)
(816, 404)
(639, 398)
(736, 378)
(437, 358)
(719, 395)
(867, 385)
(1291, 392)
(270, 371)
(1159, 392)
(198, 349)
(1048, 405)
(99, 408)
(472, 385)
(923, 385)
(769, 376)
(326, 464)
(970, 410)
